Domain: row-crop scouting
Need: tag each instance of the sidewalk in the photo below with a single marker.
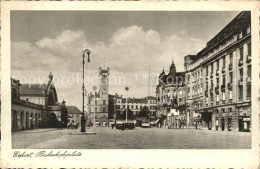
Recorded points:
(38, 130)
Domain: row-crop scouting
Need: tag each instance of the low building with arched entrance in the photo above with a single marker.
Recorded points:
(34, 105)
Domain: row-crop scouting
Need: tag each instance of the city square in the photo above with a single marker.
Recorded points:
(138, 138)
(136, 86)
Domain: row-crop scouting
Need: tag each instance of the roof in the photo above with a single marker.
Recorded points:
(73, 110)
(151, 98)
(33, 89)
(241, 21)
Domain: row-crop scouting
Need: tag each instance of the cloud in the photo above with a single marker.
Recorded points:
(128, 53)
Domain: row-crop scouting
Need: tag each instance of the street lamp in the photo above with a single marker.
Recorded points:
(94, 121)
(126, 88)
(83, 122)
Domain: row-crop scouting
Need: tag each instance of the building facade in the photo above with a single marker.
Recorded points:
(34, 105)
(170, 98)
(218, 80)
(98, 101)
(134, 104)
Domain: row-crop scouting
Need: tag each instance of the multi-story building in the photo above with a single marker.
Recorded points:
(170, 94)
(98, 101)
(218, 80)
(134, 104)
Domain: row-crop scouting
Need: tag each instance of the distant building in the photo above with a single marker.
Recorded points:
(74, 114)
(170, 98)
(134, 104)
(98, 101)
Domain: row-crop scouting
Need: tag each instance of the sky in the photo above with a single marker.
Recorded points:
(135, 45)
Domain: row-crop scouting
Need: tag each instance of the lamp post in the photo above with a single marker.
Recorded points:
(83, 122)
(126, 88)
(94, 121)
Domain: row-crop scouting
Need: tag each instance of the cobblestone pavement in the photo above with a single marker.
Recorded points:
(139, 138)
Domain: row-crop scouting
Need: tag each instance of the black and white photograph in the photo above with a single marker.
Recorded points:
(131, 80)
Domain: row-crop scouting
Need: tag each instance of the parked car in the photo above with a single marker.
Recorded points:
(146, 123)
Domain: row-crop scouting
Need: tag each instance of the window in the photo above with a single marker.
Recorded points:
(223, 96)
(223, 80)
(240, 92)
(136, 106)
(224, 61)
(104, 110)
(249, 70)
(249, 49)
(207, 71)
(231, 77)
(104, 102)
(217, 98)
(95, 109)
(248, 90)
(95, 102)
(230, 94)
(241, 53)
(212, 68)
(241, 74)
(231, 58)
(217, 82)
(14, 94)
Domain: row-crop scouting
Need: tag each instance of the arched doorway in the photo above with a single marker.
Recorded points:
(27, 121)
(14, 120)
(53, 120)
(22, 120)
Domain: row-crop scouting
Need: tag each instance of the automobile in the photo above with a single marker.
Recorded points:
(123, 125)
(146, 123)
(152, 121)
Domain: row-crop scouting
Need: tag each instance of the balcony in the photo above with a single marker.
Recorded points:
(217, 72)
(223, 87)
(248, 80)
(240, 82)
(230, 66)
(223, 70)
(248, 59)
(217, 90)
(229, 86)
(240, 62)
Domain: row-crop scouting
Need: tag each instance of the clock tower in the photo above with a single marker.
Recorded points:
(103, 88)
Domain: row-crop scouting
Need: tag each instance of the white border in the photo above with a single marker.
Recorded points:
(135, 158)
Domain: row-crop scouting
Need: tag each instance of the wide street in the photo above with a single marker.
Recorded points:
(139, 138)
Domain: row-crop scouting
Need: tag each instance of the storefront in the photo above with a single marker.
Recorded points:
(244, 117)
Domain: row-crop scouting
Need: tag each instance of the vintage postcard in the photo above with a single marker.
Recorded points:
(130, 84)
